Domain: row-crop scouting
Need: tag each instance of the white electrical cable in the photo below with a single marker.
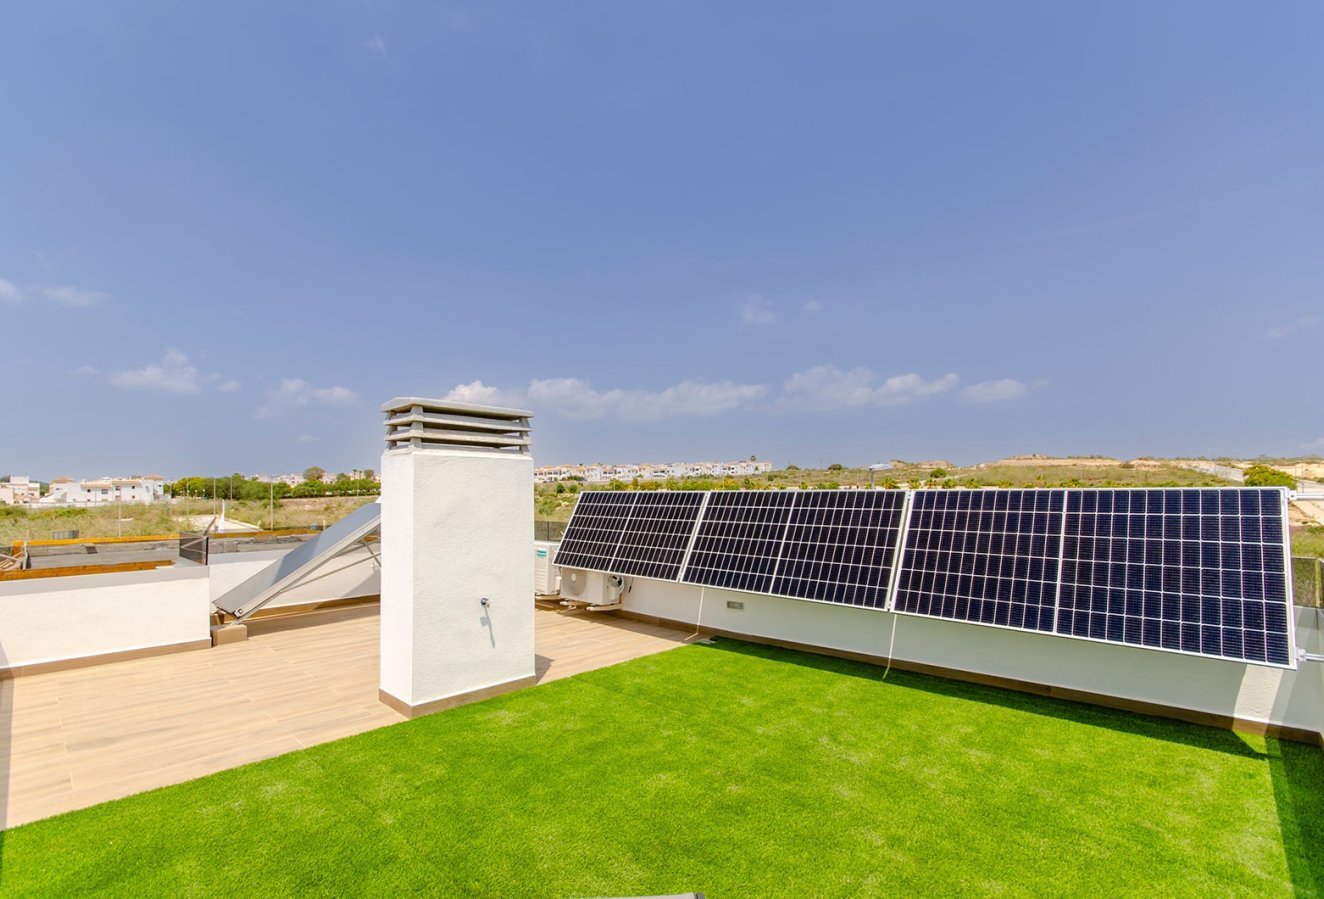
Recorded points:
(891, 644)
(698, 621)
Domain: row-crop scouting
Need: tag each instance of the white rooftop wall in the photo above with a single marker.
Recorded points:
(1249, 692)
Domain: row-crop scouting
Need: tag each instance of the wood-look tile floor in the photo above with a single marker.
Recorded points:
(71, 739)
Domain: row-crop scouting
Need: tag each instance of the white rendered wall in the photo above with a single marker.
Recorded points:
(456, 527)
(352, 574)
(61, 618)
(1250, 692)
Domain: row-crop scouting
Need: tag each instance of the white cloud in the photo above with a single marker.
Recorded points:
(293, 393)
(813, 306)
(68, 295)
(377, 44)
(174, 374)
(828, 387)
(577, 399)
(9, 293)
(86, 370)
(229, 387)
(481, 394)
(1301, 324)
(998, 391)
(755, 310)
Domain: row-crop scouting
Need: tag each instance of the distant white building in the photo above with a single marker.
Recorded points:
(19, 490)
(596, 474)
(293, 480)
(68, 492)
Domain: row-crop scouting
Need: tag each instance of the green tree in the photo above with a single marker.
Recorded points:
(1264, 476)
(938, 473)
(836, 466)
(313, 473)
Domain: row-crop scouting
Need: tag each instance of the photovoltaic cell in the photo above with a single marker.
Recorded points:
(984, 556)
(840, 546)
(657, 534)
(739, 539)
(1192, 570)
(595, 530)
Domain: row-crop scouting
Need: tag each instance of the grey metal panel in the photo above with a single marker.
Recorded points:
(248, 596)
(432, 435)
(407, 403)
(450, 421)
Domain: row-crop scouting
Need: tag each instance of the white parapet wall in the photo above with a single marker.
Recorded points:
(354, 574)
(1250, 694)
(55, 622)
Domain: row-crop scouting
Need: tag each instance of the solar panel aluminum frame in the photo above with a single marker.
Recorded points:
(1289, 594)
(900, 562)
(694, 534)
(898, 556)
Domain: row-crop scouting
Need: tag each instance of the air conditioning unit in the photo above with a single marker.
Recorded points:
(545, 574)
(590, 588)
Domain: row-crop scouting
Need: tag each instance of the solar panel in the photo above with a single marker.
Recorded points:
(739, 539)
(629, 532)
(1198, 571)
(595, 530)
(657, 534)
(840, 546)
(983, 556)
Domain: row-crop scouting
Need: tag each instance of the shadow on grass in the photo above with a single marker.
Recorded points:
(1167, 729)
(1298, 788)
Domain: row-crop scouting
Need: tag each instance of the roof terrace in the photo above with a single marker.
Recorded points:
(731, 768)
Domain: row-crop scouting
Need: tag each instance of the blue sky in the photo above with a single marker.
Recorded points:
(811, 232)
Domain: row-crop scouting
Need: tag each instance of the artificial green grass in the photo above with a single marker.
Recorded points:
(734, 769)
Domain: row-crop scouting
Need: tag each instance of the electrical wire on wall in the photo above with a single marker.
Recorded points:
(891, 644)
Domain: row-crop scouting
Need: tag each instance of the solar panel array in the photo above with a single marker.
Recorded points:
(1192, 570)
